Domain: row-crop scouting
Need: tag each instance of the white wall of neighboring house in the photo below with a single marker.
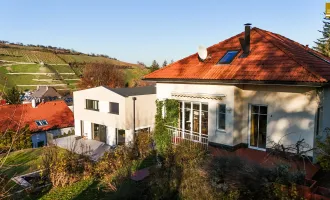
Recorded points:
(291, 109)
(41, 136)
(145, 113)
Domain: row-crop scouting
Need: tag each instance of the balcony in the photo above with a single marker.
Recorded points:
(194, 138)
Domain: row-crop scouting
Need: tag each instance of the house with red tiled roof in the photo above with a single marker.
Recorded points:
(250, 89)
(45, 119)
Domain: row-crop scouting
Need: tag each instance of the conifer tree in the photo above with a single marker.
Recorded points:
(154, 66)
(323, 43)
(164, 63)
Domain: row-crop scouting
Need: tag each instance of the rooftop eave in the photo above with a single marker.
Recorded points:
(236, 82)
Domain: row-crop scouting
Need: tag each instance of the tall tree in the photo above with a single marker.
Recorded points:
(102, 74)
(172, 61)
(164, 63)
(141, 63)
(323, 43)
(12, 96)
(154, 66)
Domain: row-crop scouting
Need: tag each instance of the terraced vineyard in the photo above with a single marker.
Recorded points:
(28, 76)
(27, 67)
(21, 55)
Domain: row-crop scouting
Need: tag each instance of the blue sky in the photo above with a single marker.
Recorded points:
(145, 30)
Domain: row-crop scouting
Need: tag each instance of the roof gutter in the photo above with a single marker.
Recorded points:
(236, 82)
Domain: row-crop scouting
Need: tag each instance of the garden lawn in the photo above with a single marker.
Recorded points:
(91, 189)
(22, 162)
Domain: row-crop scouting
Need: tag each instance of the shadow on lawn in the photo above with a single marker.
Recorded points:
(129, 189)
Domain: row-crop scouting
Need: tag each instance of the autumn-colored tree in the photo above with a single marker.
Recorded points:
(102, 74)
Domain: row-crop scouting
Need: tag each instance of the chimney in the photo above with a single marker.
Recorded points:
(34, 103)
(245, 42)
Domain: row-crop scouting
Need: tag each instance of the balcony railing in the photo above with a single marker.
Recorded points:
(179, 135)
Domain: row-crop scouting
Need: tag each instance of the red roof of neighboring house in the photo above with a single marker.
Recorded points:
(272, 58)
(57, 114)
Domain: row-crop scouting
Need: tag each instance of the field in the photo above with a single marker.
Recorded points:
(28, 76)
(27, 67)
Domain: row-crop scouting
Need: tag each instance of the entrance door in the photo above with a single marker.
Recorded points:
(258, 127)
(120, 137)
(99, 132)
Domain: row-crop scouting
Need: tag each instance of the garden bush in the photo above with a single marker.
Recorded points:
(114, 166)
(64, 167)
(324, 153)
(143, 144)
(252, 180)
(182, 176)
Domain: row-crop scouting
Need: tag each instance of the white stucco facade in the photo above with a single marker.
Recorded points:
(291, 110)
(144, 113)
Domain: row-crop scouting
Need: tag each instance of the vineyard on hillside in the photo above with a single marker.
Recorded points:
(21, 55)
(29, 66)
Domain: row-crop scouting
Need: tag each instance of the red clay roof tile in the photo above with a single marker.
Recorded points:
(272, 58)
(14, 117)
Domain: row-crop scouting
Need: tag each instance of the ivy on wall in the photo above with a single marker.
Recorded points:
(162, 136)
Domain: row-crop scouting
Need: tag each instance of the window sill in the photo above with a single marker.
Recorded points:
(113, 113)
(221, 131)
(91, 109)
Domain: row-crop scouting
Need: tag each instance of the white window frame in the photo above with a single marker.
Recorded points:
(94, 101)
(225, 113)
(184, 102)
(42, 122)
(249, 125)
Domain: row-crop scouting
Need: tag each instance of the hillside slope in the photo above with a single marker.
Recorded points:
(29, 66)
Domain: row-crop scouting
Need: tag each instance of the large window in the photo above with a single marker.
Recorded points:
(221, 118)
(92, 104)
(187, 116)
(258, 126)
(114, 108)
(193, 117)
(205, 118)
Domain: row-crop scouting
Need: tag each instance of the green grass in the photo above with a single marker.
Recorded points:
(22, 162)
(29, 68)
(134, 74)
(29, 79)
(91, 189)
(69, 192)
(63, 68)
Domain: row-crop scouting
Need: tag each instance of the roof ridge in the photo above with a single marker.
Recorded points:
(288, 53)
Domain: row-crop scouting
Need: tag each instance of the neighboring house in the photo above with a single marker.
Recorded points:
(45, 93)
(251, 89)
(53, 118)
(106, 114)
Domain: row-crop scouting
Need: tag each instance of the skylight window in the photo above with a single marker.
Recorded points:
(228, 57)
(41, 122)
